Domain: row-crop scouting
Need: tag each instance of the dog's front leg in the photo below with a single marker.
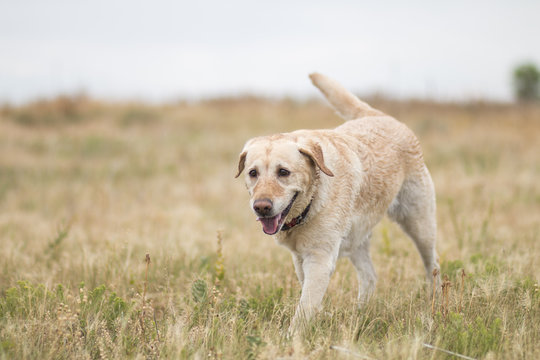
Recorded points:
(298, 267)
(317, 270)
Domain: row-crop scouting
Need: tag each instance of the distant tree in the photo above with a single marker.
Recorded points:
(527, 82)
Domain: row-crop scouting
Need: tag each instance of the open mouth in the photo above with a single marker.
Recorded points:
(272, 225)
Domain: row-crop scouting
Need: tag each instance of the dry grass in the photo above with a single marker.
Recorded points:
(87, 189)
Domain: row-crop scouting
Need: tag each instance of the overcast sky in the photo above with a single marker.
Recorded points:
(166, 50)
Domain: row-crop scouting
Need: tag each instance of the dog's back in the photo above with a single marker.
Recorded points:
(381, 134)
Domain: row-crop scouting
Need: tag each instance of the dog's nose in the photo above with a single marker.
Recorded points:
(263, 207)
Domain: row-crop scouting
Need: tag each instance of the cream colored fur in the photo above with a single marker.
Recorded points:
(352, 175)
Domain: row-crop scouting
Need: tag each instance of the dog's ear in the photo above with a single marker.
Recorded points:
(314, 152)
(241, 163)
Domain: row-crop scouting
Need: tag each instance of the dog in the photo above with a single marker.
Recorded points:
(321, 192)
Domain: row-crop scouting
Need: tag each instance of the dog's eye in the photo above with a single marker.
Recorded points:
(283, 172)
(253, 173)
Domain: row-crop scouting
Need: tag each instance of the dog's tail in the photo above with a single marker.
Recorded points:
(346, 104)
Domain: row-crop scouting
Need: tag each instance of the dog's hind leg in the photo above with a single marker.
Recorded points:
(414, 210)
(364, 269)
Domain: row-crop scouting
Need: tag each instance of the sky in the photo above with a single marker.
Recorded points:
(170, 50)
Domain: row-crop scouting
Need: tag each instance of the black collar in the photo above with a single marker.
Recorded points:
(297, 220)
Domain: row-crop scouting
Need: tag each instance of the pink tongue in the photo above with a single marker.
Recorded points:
(270, 225)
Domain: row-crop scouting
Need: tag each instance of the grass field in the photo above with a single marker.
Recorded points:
(87, 189)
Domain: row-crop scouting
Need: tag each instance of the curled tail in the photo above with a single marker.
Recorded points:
(346, 104)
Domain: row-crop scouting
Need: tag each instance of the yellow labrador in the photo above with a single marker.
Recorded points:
(321, 192)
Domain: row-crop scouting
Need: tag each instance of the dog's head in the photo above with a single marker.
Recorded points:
(280, 175)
